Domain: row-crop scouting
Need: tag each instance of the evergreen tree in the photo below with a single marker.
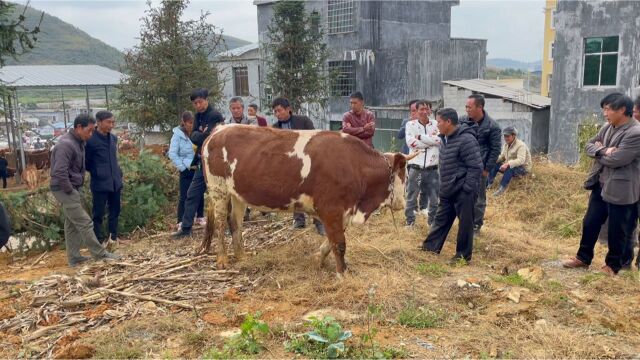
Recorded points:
(295, 55)
(171, 59)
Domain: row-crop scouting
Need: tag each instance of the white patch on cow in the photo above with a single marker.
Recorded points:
(344, 135)
(396, 193)
(298, 151)
(304, 202)
(354, 216)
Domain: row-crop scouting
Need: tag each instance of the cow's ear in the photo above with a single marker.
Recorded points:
(399, 161)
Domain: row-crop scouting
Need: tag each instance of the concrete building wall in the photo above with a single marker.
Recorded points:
(572, 102)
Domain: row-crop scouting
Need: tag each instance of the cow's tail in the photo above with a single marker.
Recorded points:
(209, 231)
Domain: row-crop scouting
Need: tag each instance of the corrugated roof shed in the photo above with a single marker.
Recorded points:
(239, 51)
(511, 94)
(59, 76)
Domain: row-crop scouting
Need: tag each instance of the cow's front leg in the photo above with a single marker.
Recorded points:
(335, 233)
(222, 261)
(235, 222)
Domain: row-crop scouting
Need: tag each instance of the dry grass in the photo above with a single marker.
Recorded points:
(537, 222)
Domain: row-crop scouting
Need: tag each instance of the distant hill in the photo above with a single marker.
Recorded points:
(61, 43)
(514, 64)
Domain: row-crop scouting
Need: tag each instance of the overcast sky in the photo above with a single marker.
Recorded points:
(514, 28)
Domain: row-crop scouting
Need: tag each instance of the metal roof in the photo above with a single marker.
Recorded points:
(59, 76)
(239, 51)
(519, 96)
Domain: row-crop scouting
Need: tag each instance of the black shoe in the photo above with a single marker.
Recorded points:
(180, 234)
(78, 261)
(320, 229)
(476, 230)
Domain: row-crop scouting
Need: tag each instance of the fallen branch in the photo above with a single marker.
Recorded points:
(149, 298)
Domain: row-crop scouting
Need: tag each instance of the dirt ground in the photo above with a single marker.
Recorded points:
(483, 309)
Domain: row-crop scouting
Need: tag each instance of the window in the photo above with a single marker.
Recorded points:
(549, 85)
(315, 23)
(551, 45)
(553, 19)
(344, 83)
(600, 61)
(240, 81)
(340, 16)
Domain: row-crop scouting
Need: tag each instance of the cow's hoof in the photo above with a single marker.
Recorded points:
(340, 276)
(222, 263)
(240, 255)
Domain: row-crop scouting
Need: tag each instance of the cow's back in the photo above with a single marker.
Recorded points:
(278, 169)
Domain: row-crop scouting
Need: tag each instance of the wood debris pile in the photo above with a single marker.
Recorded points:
(158, 279)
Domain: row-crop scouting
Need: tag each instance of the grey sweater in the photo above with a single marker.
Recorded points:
(67, 163)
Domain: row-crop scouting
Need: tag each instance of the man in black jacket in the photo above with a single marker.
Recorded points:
(490, 141)
(460, 172)
(286, 120)
(106, 175)
(206, 120)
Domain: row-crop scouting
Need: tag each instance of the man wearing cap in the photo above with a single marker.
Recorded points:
(514, 160)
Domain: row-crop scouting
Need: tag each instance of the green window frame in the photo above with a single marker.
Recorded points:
(600, 61)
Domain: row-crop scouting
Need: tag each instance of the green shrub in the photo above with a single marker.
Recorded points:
(245, 343)
(325, 340)
(149, 186)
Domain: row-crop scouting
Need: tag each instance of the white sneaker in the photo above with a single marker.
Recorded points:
(201, 221)
(179, 226)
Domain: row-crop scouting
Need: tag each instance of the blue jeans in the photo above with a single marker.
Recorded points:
(186, 177)
(195, 193)
(507, 176)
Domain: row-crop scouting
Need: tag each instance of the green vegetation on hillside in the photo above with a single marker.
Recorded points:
(60, 43)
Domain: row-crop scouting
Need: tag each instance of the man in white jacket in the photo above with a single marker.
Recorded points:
(422, 135)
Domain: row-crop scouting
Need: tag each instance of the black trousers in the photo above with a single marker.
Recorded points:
(185, 180)
(462, 207)
(3, 175)
(622, 221)
(110, 200)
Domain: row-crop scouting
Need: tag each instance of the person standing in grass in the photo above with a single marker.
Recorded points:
(67, 178)
(614, 181)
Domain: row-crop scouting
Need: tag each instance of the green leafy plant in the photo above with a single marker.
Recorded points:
(420, 317)
(326, 340)
(432, 269)
(245, 343)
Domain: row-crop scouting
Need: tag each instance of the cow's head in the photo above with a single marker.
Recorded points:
(398, 164)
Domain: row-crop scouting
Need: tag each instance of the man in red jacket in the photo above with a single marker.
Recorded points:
(359, 122)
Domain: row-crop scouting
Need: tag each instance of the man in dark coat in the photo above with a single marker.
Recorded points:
(5, 226)
(460, 171)
(106, 175)
(4, 164)
(490, 141)
(67, 177)
(207, 118)
(286, 120)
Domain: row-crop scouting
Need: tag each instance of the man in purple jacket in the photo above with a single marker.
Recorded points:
(359, 122)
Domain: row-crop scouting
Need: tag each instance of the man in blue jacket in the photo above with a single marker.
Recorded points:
(207, 118)
(106, 175)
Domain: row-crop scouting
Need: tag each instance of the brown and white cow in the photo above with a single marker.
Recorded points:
(334, 177)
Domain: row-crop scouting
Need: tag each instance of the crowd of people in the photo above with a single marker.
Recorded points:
(459, 158)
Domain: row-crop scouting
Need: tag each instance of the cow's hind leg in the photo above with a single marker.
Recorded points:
(221, 212)
(323, 251)
(236, 217)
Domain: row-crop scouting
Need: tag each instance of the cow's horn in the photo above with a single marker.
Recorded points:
(413, 154)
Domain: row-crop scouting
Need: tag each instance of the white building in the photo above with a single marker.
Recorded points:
(240, 69)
